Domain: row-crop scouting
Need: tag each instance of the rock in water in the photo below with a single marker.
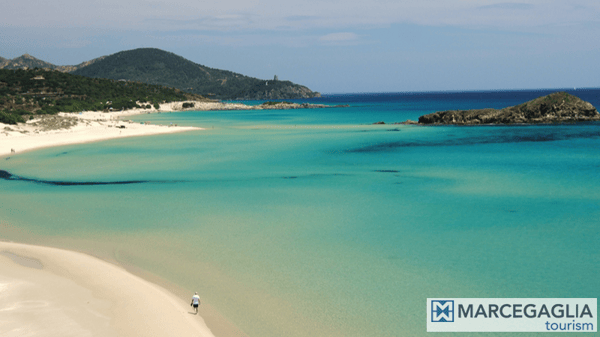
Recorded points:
(559, 107)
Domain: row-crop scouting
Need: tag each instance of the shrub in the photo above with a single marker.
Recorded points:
(8, 118)
(20, 112)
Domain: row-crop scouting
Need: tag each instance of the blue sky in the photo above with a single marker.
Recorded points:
(331, 46)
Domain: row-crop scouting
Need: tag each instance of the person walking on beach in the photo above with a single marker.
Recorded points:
(195, 302)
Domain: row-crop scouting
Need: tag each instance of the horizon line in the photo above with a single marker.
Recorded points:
(454, 91)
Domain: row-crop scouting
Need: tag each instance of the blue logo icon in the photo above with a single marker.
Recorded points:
(442, 311)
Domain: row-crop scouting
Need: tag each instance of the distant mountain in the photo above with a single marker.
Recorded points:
(155, 66)
(26, 61)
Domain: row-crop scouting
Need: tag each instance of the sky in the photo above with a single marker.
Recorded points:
(331, 46)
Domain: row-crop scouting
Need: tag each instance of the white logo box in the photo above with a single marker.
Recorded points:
(512, 314)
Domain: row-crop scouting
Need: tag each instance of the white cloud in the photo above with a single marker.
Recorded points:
(227, 15)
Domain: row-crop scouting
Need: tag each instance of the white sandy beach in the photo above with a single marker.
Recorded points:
(53, 292)
(90, 126)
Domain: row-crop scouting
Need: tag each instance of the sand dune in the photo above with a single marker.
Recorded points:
(53, 292)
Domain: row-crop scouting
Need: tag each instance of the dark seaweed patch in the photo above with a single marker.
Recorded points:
(328, 174)
(9, 176)
(5, 175)
(315, 175)
(513, 136)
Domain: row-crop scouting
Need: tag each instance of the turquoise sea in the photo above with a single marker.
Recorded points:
(318, 223)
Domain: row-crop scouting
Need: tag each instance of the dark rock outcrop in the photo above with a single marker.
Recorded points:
(408, 122)
(559, 107)
(277, 90)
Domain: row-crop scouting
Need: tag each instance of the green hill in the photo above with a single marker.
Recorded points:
(36, 91)
(156, 66)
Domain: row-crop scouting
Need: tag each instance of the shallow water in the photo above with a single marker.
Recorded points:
(314, 222)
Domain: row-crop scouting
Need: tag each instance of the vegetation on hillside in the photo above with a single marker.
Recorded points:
(27, 92)
(25, 61)
(156, 66)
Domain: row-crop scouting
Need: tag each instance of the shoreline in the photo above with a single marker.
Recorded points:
(92, 126)
(41, 299)
(71, 128)
(58, 292)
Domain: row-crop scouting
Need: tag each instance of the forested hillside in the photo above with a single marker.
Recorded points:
(157, 66)
(35, 91)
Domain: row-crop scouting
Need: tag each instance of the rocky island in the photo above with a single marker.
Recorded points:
(559, 107)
